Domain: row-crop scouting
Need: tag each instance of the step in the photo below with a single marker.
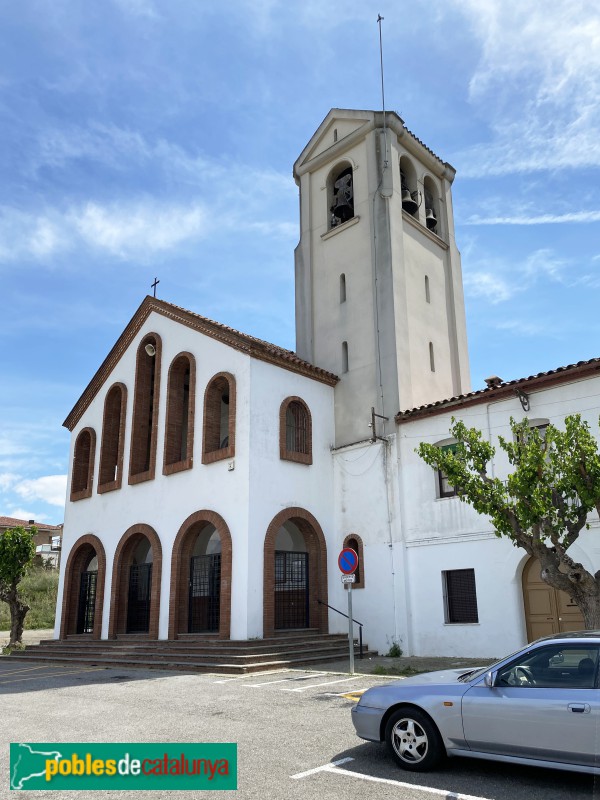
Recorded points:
(224, 649)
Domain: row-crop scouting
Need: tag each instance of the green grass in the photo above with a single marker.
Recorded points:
(38, 588)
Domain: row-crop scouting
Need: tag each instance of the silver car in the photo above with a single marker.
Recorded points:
(539, 706)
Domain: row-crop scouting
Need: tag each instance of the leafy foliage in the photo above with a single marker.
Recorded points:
(543, 505)
(17, 549)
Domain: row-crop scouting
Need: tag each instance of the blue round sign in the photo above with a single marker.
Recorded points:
(348, 561)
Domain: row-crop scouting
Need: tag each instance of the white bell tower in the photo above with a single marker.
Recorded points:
(379, 296)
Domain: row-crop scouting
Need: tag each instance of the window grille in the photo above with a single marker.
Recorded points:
(460, 596)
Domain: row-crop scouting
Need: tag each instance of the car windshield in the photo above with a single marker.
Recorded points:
(477, 672)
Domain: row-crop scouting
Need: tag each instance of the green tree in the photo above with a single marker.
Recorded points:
(17, 549)
(544, 504)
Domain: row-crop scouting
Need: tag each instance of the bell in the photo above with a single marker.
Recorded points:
(408, 204)
(430, 219)
(343, 209)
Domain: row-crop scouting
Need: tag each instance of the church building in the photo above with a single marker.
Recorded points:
(214, 477)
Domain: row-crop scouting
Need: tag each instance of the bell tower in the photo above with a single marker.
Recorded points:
(379, 296)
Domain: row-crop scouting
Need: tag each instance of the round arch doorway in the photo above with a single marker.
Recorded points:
(547, 610)
(295, 573)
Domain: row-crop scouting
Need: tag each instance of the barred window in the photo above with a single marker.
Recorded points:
(444, 486)
(460, 596)
(295, 438)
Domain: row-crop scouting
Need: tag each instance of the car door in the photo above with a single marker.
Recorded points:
(544, 705)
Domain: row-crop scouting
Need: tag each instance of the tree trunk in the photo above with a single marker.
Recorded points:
(589, 606)
(18, 612)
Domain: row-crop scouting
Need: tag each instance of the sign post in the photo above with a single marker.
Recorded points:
(348, 562)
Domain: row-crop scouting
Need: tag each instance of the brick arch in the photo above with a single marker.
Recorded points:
(317, 569)
(300, 450)
(211, 430)
(180, 572)
(78, 557)
(120, 580)
(353, 540)
(82, 474)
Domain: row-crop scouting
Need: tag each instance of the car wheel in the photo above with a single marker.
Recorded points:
(413, 740)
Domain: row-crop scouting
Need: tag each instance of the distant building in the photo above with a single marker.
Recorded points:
(48, 539)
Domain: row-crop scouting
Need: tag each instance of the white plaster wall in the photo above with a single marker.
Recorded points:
(366, 504)
(275, 484)
(444, 534)
(165, 502)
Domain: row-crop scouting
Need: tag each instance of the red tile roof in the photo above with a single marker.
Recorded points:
(257, 348)
(505, 389)
(12, 522)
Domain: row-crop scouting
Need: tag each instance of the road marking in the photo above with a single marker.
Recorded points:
(324, 768)
(246, 676)
(333, 766)
(352, 695)
(284, 680)
(24, 669)
(313, 685)
(53, 675)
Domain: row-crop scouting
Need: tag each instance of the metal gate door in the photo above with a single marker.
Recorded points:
(87, 602)
(138, 605)
(291, 590)
(205, 593)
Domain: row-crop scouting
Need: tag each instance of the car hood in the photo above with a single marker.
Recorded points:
(444, 676)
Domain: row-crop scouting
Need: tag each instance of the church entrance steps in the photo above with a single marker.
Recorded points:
(193, 654)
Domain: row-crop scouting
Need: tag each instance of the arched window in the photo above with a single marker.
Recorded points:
(113, 439)
(432, 205)
(431, 357)
(83, 464)
(444, 487)
(408, 187)
(342, 288)
(340, 195)
(219, 419)
(145, 410)
(427, 293)
(345, 362)
(179, 432)
(355, 542)
(295, 431)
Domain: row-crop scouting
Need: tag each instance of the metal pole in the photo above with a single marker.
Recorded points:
(350, 629)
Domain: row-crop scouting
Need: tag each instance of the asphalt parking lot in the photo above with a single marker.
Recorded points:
(293, 729)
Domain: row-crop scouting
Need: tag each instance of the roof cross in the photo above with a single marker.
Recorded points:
(154, 285)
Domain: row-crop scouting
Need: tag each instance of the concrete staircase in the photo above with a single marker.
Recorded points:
(193, 653)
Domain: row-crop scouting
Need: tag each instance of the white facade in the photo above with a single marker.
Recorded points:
(342, 483)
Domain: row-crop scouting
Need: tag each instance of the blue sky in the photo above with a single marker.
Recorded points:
(144, 138)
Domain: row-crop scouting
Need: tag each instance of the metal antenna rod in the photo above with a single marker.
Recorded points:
(379, 21)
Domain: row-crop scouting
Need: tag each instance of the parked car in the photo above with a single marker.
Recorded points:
(538, 706)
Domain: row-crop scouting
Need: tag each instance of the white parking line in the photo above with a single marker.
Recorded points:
(283, 680)
(246, 676)
(313, 685)
(333, 766)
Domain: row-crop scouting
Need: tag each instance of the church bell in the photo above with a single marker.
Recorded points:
(430, 219)
(408, 202)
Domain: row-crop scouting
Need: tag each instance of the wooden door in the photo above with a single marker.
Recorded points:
(547, 610)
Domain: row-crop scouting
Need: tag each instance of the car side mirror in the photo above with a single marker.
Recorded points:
(490, 679)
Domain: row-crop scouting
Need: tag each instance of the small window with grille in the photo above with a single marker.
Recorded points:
(460, 596)
(295, 431)
(445, 488)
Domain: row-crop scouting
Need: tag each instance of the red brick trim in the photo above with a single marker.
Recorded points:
(141, 469)
(120, 580)
(174, 421)
(82, 473)
(354, 541)
(249, 345)
(299, 456)
(211, 434)
(317, 559)
(111, 451)
(78, 557)
(180, 572)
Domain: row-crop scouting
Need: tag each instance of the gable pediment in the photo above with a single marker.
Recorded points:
(339, 129)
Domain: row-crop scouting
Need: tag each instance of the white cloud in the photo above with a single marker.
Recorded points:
(48, 489)
(27, 514)
(490, 286)
(541, 219)
(129, 229)
(537, 82)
